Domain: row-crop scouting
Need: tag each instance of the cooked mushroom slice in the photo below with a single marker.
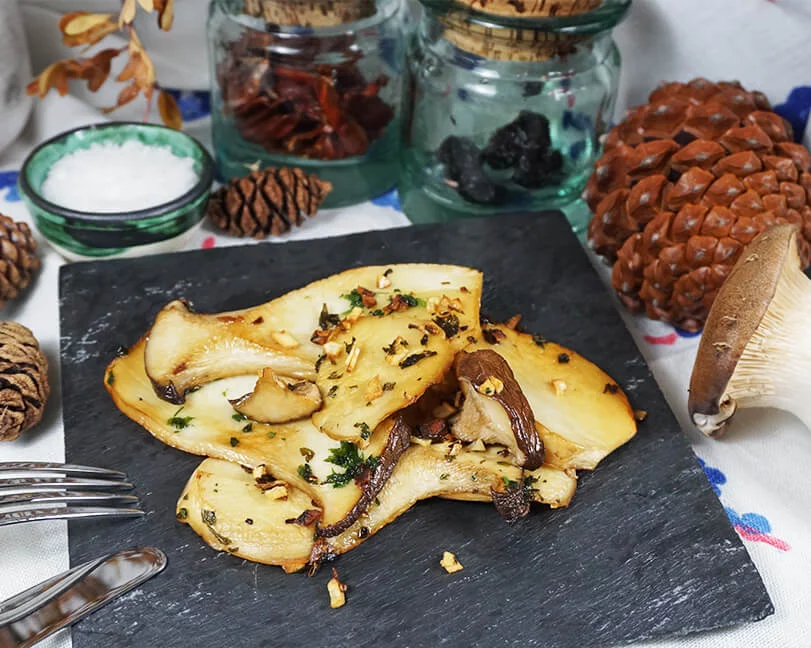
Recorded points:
(375, 476)
(422, 472)
(495, 409)
(224, 507)
(592, 412)
(296, 452)
(381, 366)
(187, 349)
(756, 347)
(277, 399)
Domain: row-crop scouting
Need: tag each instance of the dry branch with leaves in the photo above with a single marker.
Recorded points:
(86, 29)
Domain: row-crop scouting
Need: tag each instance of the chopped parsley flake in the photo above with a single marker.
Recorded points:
(180, 422)
(239, 417)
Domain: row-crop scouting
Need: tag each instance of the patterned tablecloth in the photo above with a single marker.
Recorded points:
(759, 471)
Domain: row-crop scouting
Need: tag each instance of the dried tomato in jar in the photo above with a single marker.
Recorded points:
(315, 89)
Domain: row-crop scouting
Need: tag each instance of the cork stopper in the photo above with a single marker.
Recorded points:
(309, 13)
(516, 44)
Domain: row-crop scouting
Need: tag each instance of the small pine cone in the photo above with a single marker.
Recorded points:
(18, 259)
(24, 388)
(271, 201)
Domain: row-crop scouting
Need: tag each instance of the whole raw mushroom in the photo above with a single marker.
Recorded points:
(756, 346)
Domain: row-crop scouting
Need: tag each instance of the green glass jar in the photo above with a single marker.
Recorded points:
(505, 112)
(310, 85)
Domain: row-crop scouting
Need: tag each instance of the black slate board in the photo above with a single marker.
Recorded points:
(645, 549)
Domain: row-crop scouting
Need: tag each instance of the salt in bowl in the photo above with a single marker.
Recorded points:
(80, 234)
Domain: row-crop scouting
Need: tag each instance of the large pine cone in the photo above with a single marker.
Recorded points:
(24, 388)
(686, 182)
(18, 259)
(271, 201)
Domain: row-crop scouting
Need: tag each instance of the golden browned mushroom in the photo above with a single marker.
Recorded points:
(756, 346)
(495, 409)
(276, 399)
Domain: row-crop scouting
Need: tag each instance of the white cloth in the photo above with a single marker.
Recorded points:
(759, 469)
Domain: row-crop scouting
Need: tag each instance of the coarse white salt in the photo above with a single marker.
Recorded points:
(107, 177)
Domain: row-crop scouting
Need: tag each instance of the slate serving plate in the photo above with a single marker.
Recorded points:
(644, 551)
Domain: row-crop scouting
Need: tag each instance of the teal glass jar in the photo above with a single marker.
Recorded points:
(316, 86)
(505, 111)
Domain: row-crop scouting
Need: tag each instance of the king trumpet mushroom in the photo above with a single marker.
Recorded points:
(756, 347)
(495, 409)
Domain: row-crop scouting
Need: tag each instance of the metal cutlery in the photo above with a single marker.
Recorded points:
(40, 611)
(33, 491)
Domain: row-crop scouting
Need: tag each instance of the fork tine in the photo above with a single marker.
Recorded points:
(67, 513)
(21, 486)
(65, 497)
(67, 469)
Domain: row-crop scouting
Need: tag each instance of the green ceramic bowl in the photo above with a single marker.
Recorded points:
(86, 235)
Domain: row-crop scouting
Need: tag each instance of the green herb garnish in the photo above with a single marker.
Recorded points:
(183, 514)
(307, 454)
(354, 298)
(365, 432)
(239, 417)
(110, 379)
(248, 428)
(234, 442)
(180, 422)
(350, 458)
(305, 472)
(414, 358)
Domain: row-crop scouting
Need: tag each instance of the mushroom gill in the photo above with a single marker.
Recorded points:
(756, 347)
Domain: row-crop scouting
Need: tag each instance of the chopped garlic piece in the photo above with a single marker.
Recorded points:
(449, 563)
(490, 386)
(374, 389)
(354, 315)
(277, 492)
(454, 448)
(477, 446)
(352, 359)
(337, 591)
(284, 339)
(396, 358)
(560, 386)
(333, 349)
(260, 471)
(421, 442)
(383, 282)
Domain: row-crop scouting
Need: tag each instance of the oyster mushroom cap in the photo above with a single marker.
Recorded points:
(277, 399)
(495, 409)
(756, 347)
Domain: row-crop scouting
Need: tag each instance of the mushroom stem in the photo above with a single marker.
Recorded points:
(775, 367)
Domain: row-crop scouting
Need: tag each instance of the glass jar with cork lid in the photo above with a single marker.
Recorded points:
(507, 102)
(313, 85)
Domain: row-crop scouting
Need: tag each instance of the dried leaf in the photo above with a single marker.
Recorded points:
(98, 72)
(53, 76)
(127, 14)
(147, 5)
(166, 13)
(169, 110)
(124, 97)
(81, 21)
(96, 30)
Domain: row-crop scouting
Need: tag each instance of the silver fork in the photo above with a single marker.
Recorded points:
(33, 491)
